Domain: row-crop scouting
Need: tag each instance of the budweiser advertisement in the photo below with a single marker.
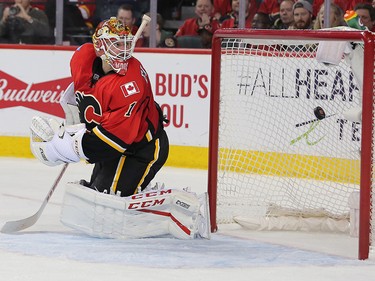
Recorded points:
(33, 80)
(43, 97)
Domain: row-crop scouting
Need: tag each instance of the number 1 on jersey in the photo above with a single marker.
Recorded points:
(131, 107)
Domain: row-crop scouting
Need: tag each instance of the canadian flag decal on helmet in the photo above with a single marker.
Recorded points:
(129, 89)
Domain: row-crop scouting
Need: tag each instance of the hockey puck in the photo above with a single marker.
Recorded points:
(319, 113)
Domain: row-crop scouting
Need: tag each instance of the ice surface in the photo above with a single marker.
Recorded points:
(50, 251)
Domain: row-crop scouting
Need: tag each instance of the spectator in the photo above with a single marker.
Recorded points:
(75, 29)
(345, 5)
(261, 21)
(366, 13)
(87, 9)
(125, 14)
(163, 38)
(108, 8)
(22, 23)
(336, 17)
(203, 25)
(166, 8)
(270, 7)
(286, 15)
(231, 19)
(302, 14)
(222, 7)
(373, 3)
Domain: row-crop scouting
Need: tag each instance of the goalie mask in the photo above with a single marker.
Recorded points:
(114, 43)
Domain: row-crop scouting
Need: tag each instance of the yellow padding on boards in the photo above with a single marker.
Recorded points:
(256, 162)
(188, 157)
(15, 147)
(290, 165)
(179, 156)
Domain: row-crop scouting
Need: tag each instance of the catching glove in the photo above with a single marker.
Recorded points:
(54, 144)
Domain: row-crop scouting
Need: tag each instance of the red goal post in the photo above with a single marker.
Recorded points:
(263, 84)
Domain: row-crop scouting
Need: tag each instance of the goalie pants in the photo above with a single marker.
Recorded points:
(123, 176)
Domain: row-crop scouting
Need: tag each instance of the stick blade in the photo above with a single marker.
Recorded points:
(18, 225)
(14, 226)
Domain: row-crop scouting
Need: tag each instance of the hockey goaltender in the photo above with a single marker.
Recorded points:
(113, 122)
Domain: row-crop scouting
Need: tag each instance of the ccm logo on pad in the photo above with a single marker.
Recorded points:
(182, 204)
(146, 204)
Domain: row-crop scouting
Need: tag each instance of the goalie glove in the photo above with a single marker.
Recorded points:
(55, 144)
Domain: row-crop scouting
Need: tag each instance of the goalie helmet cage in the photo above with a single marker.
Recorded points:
(264, 83)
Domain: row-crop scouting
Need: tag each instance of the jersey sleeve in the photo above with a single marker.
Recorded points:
(81, 67)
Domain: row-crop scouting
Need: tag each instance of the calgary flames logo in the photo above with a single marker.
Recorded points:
(44, 97)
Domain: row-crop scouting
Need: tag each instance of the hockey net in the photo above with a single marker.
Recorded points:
(269, 168)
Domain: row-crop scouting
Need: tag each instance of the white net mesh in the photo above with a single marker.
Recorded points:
(266, 157)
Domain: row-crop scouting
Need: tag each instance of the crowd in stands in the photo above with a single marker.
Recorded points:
(27, 21)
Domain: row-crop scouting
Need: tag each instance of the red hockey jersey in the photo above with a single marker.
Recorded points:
(119, 110)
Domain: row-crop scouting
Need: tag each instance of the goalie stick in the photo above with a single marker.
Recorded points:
(313, 120)
(145, 20)
(319, 114)
(14, 226)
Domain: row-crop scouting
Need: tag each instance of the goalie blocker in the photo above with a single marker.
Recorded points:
(181, 214)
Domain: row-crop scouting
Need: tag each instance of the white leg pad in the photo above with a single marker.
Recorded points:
(150, 214)
(355, 59)
(330, 52)
(193, 211)
(353, 114)
(204, 224)
(353, 202)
